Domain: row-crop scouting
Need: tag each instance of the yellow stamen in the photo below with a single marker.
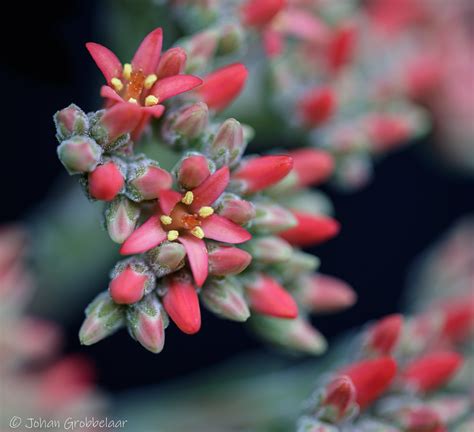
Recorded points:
(197, 232)
(133, 100)
(166, 220)
(149, 81)
(188, 198)
(173, 235)
(127, 71)
(151, 100)
(205, 212)
(116, 84)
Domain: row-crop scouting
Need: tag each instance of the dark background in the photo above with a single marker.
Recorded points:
(384, 227)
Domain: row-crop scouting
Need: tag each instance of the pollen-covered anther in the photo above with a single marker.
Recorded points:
(188, 198)
(149, 81)
(116, 84)
(127, 71)
(151, 100)
(166, 220)
(132, 100)
(172, 235)
(198, 232)
(205, 211)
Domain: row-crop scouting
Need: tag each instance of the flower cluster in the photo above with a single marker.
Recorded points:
(217, 227)
(34, 383)
(319, 58)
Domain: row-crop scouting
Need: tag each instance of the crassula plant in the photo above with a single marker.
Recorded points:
(218, 228)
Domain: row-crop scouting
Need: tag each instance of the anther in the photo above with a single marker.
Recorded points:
(116, 84)
(166, 220)
(149, 81)
(173, 235)
(205, 211)
(151, 100)
(188, 198)
(197, 232)
(127, 71)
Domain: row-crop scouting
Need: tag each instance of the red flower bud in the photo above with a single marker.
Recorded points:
(341, 47)
(272, 218)
(121, 216)
(317, 106)
(222, 86)
(260, 12)
(190, 121)
(386, 131)
(106, 182)
(71, 121)
(182, 304)
(130, 284)
(458, 322)
(339, 399)
(431, 371)
(228, 144)
(171, 63)
(262, 172)
(193, 171)
(311, 229)
(227, 260)
(145, 183)
(312, 166)
(371, 378)
(268, 297)
(235, 209)
(384, 335)
(79, 154)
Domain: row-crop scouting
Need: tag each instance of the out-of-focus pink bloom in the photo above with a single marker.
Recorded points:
(383, 336)
(312, 166)
(260, 12)
(317, 106)
(341, 46)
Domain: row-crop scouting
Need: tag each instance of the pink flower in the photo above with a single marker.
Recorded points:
(146, 81)
(260, 12)
(189, 218)
(383, 337)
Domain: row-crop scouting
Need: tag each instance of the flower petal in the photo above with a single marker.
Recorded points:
(168, 199)
(149, 235)
(174, 85)
(155, 110)
(210, 189)
(109, 93)
(147, 56)
(106, 60)
(221, 229)
(122, 118)
(197, 256)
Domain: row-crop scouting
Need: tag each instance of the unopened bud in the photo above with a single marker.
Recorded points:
(171, 63)
(192, 171)
(293, 334)
(298, 263)
(337, 401)
(70, 121)
(106, 181)
(382, 338)
(309, 424)
(103, 317)
(269, 249)
(231, 38)
(200, 48)
(145, 179)
(79, 154)
(191, 121)
(227, 260)
(121, 216)
(228, 144)
(147, 321)
(225, 298)
(234, 208)
(131, 280)
(272, 218)
(166, 258)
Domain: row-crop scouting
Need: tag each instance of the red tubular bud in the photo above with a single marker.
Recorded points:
(236, 209)
(311, 229)
(71, 121)
(458, 319)
(222, 86)
(171, 63)
(339, 399)
(257, 13)
(106, 182)
(383, 336)
(371, 378)
(430, 372)
(121, 216)
(262, 172)
(341, 47)
(193, 171)
(130, 284)
(386, 131)
(227, 260)
(146, 183)
(312, 166)
(317, 106)
(268, 297)
(190, 121)
(182, 304)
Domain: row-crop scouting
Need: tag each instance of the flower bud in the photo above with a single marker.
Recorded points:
(298, 263)
(267, 297)
(79, 154)
(131, 280)
(309, 424)
(182, 304)
(145, 179)
(236, 209)
(416, 418)
(431, 371)
(200, 48)
(311, 166)
(147, 321)
(257, 13)
(341, 47)
(171, 63)
(166, 258)
(269, 250)
(70, 121)
(227, 260)
(294, 334)
(192, 171)
(338, 400)
(228, 144)
(231, 37)
(272, 218)
(323, 294)
(317, 106)
(106, 181)
(191, 121)
(103, 317)
(225, 298)
(121, 216)
(450, 408)
(262, 172)
(383, 336)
